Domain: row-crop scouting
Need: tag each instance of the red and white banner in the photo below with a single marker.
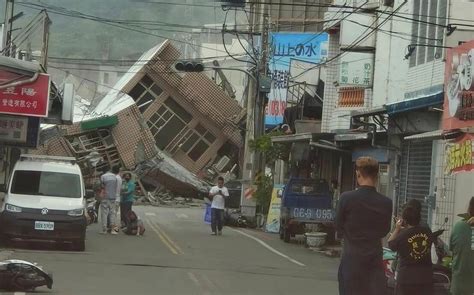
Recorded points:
(30, 99)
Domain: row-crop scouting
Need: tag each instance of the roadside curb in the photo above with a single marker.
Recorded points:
(5, 254)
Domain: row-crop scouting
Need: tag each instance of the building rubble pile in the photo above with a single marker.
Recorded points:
(166, 198)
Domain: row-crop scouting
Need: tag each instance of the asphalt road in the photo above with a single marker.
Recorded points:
(177, 255)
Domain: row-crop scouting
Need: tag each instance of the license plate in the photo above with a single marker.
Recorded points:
(44, 225)
(313, 214)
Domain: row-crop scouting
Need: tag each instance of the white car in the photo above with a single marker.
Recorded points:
(45, 200)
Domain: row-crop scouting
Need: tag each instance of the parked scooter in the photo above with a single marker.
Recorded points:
(92, 212)
(20, 275)
(441, 269)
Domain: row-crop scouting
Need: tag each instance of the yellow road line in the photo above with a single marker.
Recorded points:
(162, 238)
(167, 237)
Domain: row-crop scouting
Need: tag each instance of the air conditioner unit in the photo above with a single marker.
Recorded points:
(220, 165)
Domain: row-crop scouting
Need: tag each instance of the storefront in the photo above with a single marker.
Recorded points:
(315, 156)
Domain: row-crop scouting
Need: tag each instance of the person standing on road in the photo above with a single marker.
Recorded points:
(413, 244)
(127, 199)
(462, 245)
(218, 194)
(364, 219)
(111, 184)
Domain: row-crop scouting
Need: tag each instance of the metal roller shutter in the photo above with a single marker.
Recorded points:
(415, 174)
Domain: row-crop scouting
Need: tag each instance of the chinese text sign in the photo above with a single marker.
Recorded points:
(356, 69)
(459, 87)
(309, 47)
(460, 155)
(30, 99)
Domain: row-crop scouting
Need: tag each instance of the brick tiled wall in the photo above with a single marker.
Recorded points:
(425, 75)
(330, 91)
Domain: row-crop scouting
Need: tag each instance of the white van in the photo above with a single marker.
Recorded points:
(45, 200)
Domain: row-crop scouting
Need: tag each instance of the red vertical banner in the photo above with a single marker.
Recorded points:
(459, 87)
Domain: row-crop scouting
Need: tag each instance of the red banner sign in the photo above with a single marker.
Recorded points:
(459, 87)
(460, 155)
(29, 99)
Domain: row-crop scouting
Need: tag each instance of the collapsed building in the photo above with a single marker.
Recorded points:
(174, 130)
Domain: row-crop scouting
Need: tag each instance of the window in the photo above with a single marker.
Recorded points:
(168, 122)
(424, 13)
(144, 93)
(197, 142)
(42, 183)
(178, 110)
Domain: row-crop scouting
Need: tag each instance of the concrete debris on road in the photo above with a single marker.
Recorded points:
(168, 199)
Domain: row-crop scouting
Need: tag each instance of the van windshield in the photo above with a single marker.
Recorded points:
(45, 183)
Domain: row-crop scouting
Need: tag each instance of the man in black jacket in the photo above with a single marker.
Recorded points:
(363, 219)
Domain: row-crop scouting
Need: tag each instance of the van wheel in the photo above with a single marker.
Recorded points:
(286, 235)
(79, 245)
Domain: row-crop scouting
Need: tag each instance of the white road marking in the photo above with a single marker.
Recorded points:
(209, 283)
(150, 214)
(182, 216)
(269, 247)
(194, 279)
(197, 283)
(19, 293)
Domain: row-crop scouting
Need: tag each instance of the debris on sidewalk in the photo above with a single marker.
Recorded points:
(330, 251)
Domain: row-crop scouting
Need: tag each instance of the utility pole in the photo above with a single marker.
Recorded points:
(7, 27)
(255, 107)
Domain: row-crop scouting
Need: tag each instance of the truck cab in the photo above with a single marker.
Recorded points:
(44, 200)
(305, 201)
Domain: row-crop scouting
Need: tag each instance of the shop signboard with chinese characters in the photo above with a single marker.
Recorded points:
(460, 154)
(29, 99)
(286, 48)
(19, 131)
(356, 69)
(459, 87)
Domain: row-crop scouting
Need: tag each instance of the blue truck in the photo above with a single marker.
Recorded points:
(306, 201)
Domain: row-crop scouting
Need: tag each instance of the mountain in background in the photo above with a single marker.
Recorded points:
(73, 36)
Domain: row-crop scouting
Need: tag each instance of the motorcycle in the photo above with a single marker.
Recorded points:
(441, 269)
(92, 214)
(20, 275)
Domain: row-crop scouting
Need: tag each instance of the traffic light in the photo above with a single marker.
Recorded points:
(189, 66)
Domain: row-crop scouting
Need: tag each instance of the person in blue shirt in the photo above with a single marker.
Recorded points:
(127, 198)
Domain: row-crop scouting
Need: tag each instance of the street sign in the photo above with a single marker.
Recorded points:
(19, 131)
(29, 99)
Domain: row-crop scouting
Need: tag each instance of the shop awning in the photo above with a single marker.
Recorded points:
(369, 112)
(416, 103)
(352, 136)
(302, 137)
(328, 147)
(433, 135)
(101, 122)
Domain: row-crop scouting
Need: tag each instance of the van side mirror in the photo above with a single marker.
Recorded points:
(3, 188)
(90, 194)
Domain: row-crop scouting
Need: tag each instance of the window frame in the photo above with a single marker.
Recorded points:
(148, 89)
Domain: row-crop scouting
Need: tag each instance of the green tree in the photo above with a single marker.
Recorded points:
(271, 152)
